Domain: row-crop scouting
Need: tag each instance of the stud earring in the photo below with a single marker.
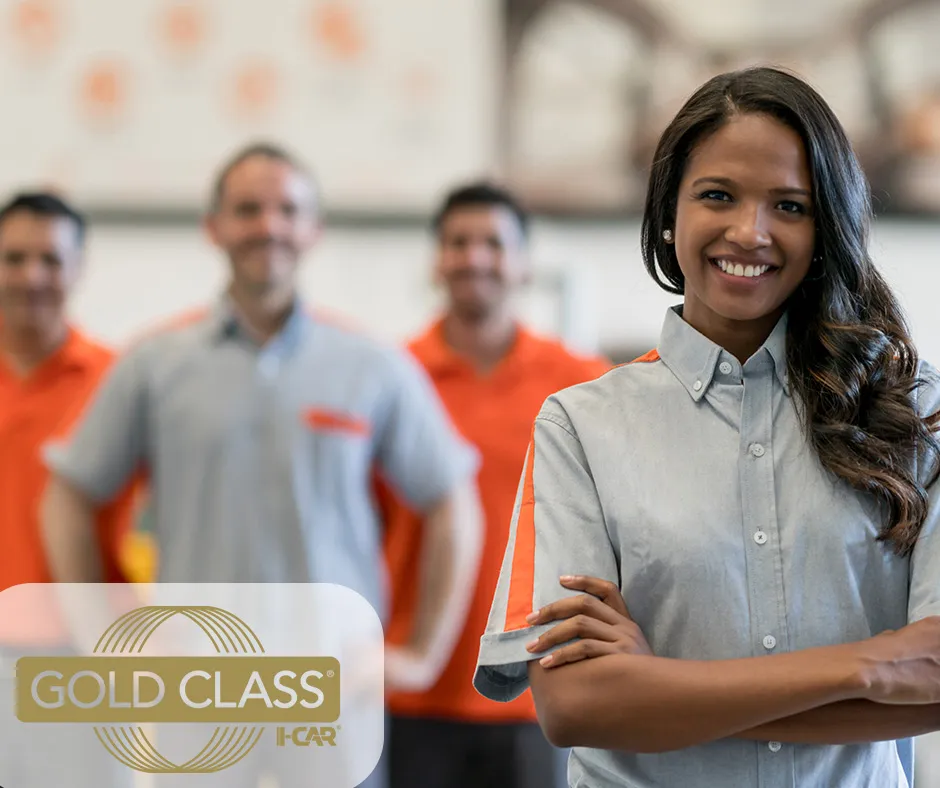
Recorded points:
(667, 236)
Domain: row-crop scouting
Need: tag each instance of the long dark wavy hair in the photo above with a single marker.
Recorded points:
(852, 366)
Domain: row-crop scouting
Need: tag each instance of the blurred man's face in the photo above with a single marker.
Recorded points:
(266, 221)
(481, 259)
(40, 260)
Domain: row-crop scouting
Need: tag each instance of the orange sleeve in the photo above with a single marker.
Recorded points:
(522, 573)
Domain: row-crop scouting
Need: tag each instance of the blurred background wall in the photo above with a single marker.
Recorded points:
(128, 108)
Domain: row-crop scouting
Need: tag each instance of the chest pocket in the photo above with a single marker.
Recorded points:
(337, 422)
(338, 445)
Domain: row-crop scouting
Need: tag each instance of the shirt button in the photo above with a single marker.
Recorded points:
(725, 368)
(760, 537)
(697, 385)
(769, 642)
(757, 450)
(775, 746)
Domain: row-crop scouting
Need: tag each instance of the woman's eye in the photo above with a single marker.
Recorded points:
(792, 207)
(715, 194)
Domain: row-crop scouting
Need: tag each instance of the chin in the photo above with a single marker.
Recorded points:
(267, 267)
(32, 321)
(746, 303)
(471, 310)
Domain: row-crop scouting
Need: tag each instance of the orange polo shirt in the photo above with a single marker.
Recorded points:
(34, 410)
(495, 412)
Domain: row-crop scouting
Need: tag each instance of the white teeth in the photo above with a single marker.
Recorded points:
(736, 269)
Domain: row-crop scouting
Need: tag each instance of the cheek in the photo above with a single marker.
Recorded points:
(689, 254)
(798, 247)
(62, 281)
(236, 233)
(449, 261)
(303, 233)
(693, 234)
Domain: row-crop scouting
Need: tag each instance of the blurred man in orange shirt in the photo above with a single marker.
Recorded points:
(48, 370)
(493, 375)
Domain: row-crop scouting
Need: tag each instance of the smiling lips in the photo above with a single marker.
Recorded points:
(745, 271)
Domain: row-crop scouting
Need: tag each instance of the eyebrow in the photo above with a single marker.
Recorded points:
(729, 182)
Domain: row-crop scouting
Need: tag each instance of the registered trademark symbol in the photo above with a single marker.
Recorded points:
(330, 674)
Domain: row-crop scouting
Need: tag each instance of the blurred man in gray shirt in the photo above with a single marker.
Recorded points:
(261, 426)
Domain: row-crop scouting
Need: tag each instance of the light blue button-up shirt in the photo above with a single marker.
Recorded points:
(687, 480)
(262, 459)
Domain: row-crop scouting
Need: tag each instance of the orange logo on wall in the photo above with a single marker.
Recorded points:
(183, 27)
(255, 88)
(104, 90)
(36, 25)
(337, 29)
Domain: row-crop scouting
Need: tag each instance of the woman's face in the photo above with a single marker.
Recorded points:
(745, 232)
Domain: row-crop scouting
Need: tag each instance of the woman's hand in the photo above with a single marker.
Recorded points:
(903, 666)
(597, 620)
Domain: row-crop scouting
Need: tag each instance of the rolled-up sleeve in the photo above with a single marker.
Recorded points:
(557, 529)
(419, 451)
(924, 598)
(106, 446)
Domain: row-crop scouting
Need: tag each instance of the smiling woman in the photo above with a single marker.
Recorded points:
(730, 547)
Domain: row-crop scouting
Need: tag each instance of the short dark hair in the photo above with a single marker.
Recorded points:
(481, 193)
(45, 204)
(266, 150)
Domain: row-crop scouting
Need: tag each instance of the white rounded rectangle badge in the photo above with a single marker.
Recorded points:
(190, 683)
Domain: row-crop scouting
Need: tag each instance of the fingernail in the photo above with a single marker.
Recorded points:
(545, 661)
(532, 616)
(531, 646)
(567, 578)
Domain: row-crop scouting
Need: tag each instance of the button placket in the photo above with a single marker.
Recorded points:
(756, 469)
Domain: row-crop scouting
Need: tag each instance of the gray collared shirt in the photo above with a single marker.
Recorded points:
(687, 480)
(261, 459)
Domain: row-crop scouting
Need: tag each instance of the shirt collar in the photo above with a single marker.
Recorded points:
(225, 323)
(76, 352)
(693, 358)
(438, 357)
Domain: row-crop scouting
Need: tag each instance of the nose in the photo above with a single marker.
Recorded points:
(478, 255)
(270, 222)
(34, 272)
(749, 227)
